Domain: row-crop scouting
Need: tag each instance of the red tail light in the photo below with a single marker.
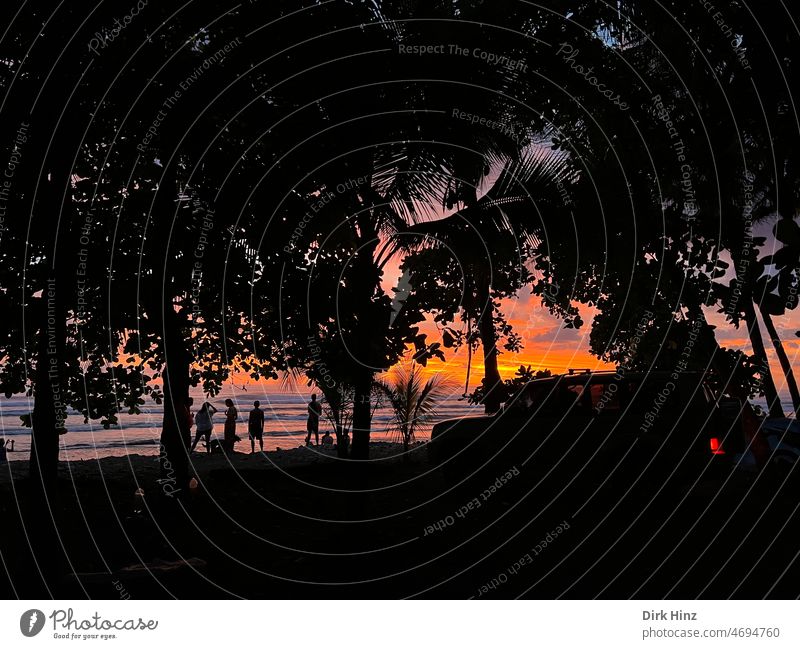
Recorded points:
(716, 447)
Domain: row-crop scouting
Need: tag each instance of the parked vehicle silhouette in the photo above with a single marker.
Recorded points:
(586, 428)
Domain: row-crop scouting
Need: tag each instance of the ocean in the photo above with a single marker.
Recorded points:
(284, 425)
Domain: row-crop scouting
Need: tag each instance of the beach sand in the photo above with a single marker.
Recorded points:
(142, 469)
(283, 523)
(300, 524)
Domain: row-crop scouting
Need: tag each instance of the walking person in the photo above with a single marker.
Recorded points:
(205, 425)
(255, 427)
(312, 425)
(231, 414)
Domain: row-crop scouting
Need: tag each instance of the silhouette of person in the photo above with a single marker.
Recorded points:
(255, 427)
(205, 425)
(230, 426)
(312, 425)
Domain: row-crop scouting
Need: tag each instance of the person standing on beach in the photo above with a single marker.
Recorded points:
(255, 427)
(314, 411)
(230, 426)
(204, 425)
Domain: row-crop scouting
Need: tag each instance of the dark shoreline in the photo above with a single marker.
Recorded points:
(326, 529)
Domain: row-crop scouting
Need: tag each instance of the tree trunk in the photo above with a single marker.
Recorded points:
(48, 419)
(492, 381)
(49, 409)
(370, 335)
(49, 412)
(39, 510)
(786, 364)
(342, 448)
(362, 414)
(175, 434)
(334, 397)
(754, 330)
(760, 353)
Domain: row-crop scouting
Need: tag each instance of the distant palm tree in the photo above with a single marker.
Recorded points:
(413, 404)
(488, 238)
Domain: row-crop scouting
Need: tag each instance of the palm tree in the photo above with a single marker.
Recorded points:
(775, 294)
(413, 404)
(764, 161)
(491, 241)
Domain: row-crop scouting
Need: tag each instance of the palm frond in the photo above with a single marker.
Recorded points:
(414, 404)
(532, 178)
(525, 194)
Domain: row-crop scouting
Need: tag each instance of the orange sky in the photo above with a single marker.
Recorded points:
(547, 345)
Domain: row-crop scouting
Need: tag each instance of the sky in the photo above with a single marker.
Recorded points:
(547, 345)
